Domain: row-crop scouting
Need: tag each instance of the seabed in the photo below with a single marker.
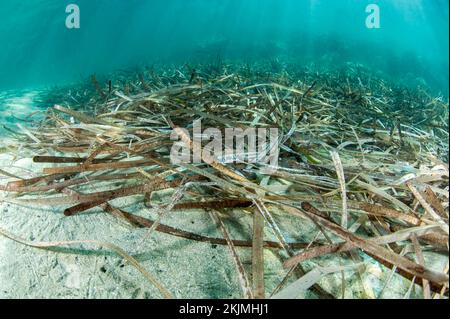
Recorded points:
(92, 207)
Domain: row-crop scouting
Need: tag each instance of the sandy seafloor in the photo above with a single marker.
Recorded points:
(16, 106)
(188, 269)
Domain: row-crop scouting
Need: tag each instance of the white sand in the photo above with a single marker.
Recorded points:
(16, 105)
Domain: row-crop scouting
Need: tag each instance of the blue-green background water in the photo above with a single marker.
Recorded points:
(38, 50)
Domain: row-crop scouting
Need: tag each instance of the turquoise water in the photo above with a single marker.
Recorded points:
(411, 43)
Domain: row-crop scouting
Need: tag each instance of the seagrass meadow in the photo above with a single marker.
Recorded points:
(368, 184)
(92, 204)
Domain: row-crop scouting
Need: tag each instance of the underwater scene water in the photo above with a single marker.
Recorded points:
(114, 117)
(411, 43)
